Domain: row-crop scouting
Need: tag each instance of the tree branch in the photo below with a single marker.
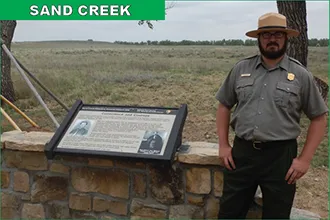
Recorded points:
(148, 22)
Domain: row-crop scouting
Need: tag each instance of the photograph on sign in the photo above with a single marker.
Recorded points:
(153, 142)
(81, 128)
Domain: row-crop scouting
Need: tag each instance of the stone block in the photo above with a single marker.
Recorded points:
(9, 206)
(212, 208)
(81, 202)
(100, 162)
(108, 217)
(21, 181)
(33, 211)
(118, 208)
(26, 197)
(5, 179)
(198, 180)
(130, 165)
(114, 207)
(59, 168)
(25, 160)
(142, 209)
(139, 185)
(71, 159)
(78, 215)
(108, 182)
(58, 210)
(195, 199)
(218, 183)
(166, 184)
(186, 212)
(26, 141)
(46, 188)
(201, 153)
(100, 204)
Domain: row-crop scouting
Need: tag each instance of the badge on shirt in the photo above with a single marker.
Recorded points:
(290, 76)
(245, 74)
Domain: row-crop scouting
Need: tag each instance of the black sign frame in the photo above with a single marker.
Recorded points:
(173, 143)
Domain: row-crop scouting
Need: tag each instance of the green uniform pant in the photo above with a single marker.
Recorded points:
(266, 167)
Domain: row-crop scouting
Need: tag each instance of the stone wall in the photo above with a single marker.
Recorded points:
(78, 187)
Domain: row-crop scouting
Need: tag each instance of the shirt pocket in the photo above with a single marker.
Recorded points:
(244, 88)
(287, 95)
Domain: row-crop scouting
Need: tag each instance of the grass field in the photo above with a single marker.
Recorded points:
(104, 73)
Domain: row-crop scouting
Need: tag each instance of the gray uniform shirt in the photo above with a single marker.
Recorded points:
(269, 102)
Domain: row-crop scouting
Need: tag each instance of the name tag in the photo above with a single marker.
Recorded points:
(245, 74)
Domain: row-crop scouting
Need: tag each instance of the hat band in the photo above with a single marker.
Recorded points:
(267, 27)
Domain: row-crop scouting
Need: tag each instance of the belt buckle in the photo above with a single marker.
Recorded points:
(254, 142)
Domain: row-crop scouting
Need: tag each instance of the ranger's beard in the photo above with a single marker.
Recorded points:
(273, 54)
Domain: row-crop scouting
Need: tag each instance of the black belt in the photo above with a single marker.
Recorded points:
(264, 144)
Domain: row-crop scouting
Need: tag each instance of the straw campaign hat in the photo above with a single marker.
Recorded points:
(272, 22)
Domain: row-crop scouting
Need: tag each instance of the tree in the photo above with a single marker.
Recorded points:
(7, 33)
(295, 11)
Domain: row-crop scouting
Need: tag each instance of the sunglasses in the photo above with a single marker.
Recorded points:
(268, 35)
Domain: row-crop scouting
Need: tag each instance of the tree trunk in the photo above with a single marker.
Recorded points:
(295, 12)
(7, 33)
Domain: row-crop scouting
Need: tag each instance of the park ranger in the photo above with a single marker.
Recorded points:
(270, 92)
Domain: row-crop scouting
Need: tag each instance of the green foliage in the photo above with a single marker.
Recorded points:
(323, 42)
(231, 42)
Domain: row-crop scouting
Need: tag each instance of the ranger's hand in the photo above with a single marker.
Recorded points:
(226, 157)
(298, 168)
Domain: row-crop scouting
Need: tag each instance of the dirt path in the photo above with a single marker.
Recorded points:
(312, 192)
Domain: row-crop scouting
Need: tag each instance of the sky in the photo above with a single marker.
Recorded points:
(185, 21)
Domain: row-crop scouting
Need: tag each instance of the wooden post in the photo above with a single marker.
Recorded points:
(19, 111)
(10, 120)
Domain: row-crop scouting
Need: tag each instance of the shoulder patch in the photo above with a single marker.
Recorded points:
(296, 61)
(246, 58)
(299, 63)
(250, 57)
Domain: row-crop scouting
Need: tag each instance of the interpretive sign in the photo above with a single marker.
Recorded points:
(153, 133)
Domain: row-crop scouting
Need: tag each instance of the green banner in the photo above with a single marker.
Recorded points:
(82, 10)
